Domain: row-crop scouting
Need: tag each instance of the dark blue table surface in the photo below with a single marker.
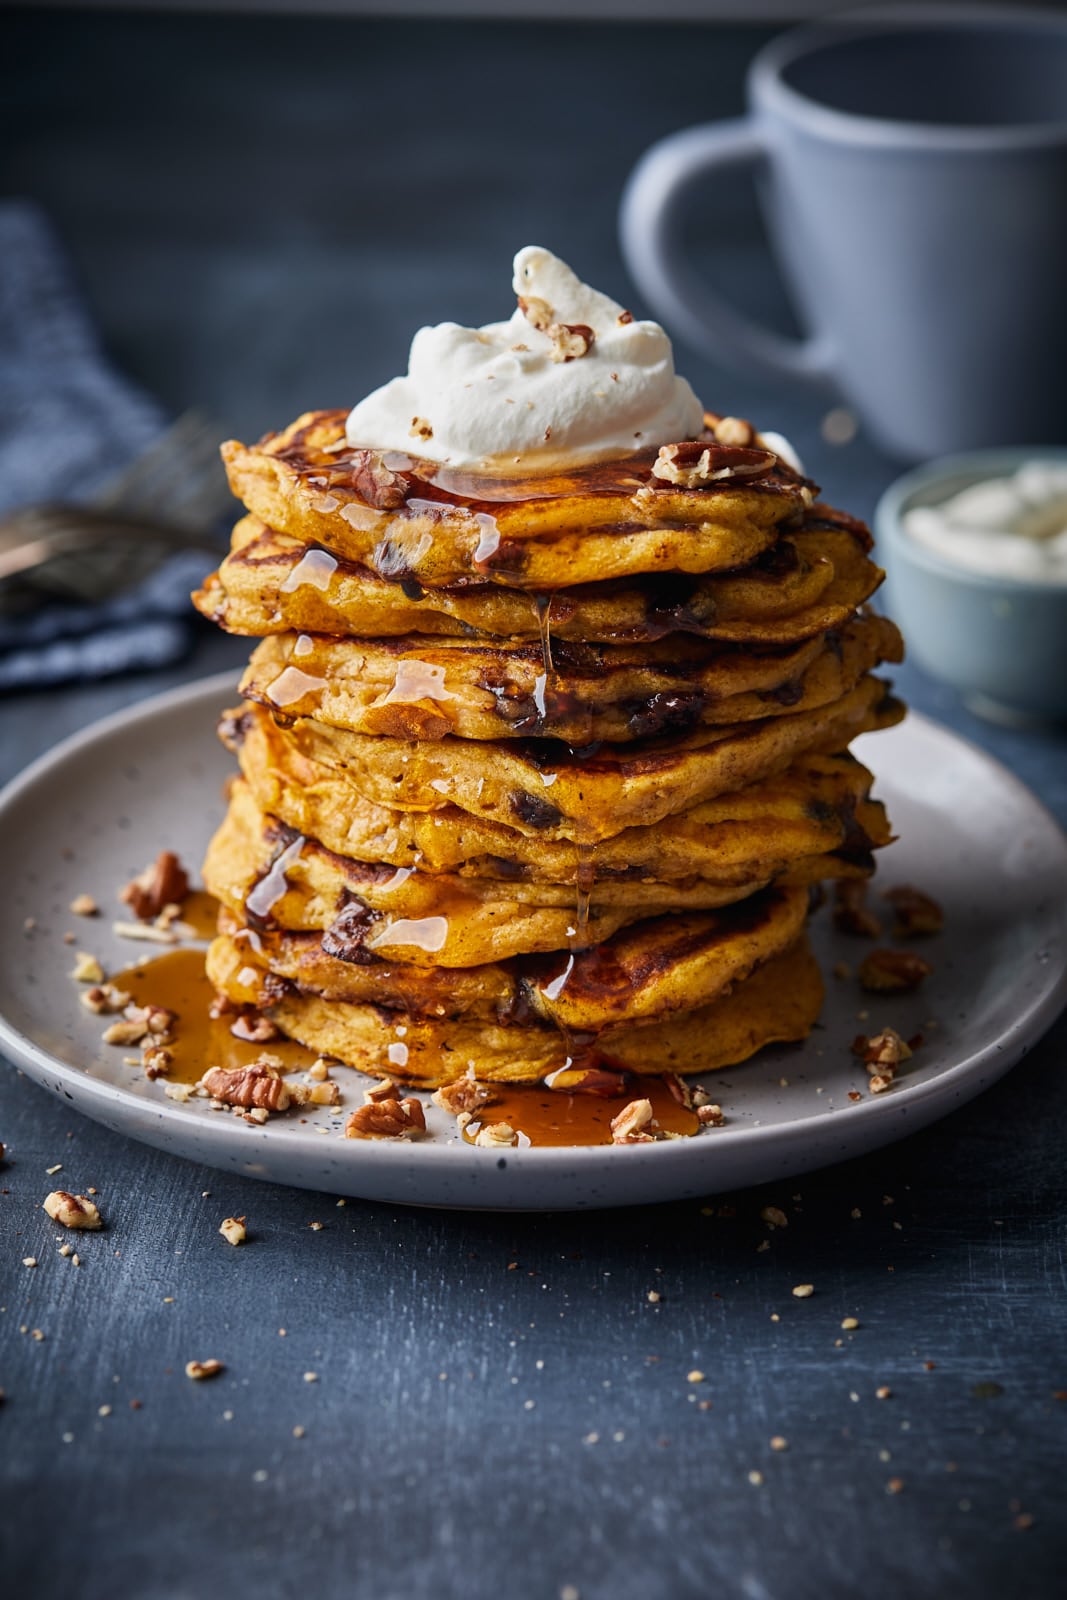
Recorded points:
(262, 212)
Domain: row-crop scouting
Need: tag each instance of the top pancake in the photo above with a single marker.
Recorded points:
(804, 585)
(405, 517)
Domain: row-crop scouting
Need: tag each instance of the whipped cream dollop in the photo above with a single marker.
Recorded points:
(571, 378)
(1013, 527)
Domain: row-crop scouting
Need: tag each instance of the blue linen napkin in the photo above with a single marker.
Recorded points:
(68, 423)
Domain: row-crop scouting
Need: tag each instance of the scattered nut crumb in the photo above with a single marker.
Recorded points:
(203, 1369)
(72, 1210)
(233, 1230)
(884, 1392)
(495, 1136)
(104, 1000)
(778, 1443)
(87, 968)
(774, 1217)
(696, 1376)
(803, 1291)
(83, 905)
(464, 1094)
(850, 1324)
(29, 1261)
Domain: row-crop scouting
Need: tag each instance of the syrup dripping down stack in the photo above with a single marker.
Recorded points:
(539, 773)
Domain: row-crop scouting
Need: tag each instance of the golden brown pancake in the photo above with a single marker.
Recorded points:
(425, 688)
(272, 877)
(303, 777)
(655, 966)
(804, 585)
(405, 517)
(779, 1001)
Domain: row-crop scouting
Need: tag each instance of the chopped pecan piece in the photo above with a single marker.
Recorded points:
(711, 1116)
(324, 1093)
(851, 913)
(72, 1210)
(83, 905)
(732, 430)
(233, 1230)
(164, 882)
(102, 999)
(915, 914)
(255, 1028)
(465, 1094)
(570, 340)
(257, 1086)
(384, 1089)
(679, 1090)
(203, 1369)
(156, 1060)
(893, 971)
(633, 1124)
(387, 1119)
(142, 1022)
(881, 1055)
(694, 464)
(87, 969)
(885, 1049)
(375, 483)
(495, 1136)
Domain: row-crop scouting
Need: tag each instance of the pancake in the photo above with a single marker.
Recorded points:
(804, 585)
(655, 966)
(303, 777)
(406, 517)
(425, 688)
(779, 1001)
(272, 877)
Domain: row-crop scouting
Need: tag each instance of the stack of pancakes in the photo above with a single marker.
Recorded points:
(539, 771)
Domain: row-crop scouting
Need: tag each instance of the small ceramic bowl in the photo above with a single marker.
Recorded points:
(1001, 641)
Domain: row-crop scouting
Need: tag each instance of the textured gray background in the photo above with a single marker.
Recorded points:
(261, 213)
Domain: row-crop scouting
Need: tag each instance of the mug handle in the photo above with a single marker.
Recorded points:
(650, 233)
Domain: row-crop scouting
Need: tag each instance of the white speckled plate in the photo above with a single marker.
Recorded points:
(90, 814)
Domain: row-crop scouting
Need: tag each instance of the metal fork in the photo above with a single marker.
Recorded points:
(168, 499)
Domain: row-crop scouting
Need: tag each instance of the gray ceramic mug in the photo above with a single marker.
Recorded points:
(914, 167)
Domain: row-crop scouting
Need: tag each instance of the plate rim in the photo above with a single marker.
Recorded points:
(1000, 1054)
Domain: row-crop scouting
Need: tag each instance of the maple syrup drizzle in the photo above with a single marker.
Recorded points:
(293, 684)
(178, 981)
(416, 680)
(585, 878)
(543, 605)
(200, 912)
(424, 933)
(315, 568)
(547, 1116)
(274, 884)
